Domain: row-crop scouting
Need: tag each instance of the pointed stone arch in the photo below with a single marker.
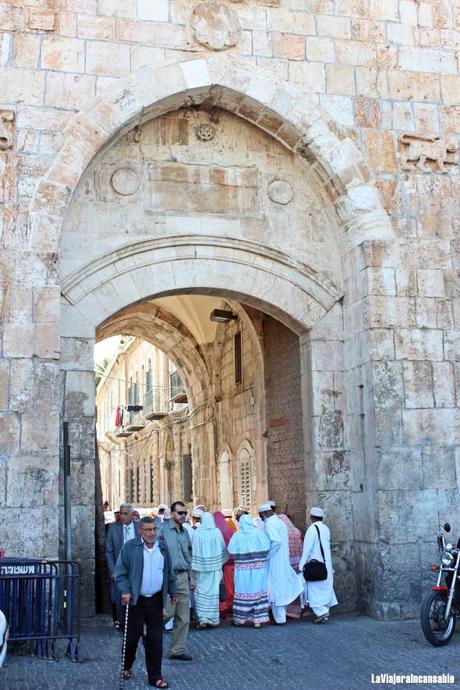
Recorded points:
(275, 106)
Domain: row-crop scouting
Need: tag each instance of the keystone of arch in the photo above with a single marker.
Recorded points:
(276, 106)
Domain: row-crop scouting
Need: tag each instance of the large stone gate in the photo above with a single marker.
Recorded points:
(211, 175)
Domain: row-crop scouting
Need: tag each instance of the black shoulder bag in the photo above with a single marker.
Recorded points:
(316, 571)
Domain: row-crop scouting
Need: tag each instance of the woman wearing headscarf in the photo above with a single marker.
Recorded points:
(229, 568)
(249, 548)
(208, 557)
(295, 541)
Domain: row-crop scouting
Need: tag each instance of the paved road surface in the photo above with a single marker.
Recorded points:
(341, 654)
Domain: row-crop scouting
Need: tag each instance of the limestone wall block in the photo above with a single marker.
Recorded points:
(333, 471)
(18, 339)
(382, 344)
(154, 33)
(39, 430)
(46, 340)
(328, 432)
(75, 323)
(395, 465)
(381, 281)
(47, 543)
(415, 86)
(438, 467)
(388, 385)
(426, 312)
(63, 54)
(110, 59)
(22, 86)
(404, 518)
(444, 384)
(71, 91)
(418, 384)
(452, 346)
(46, 304)
(419, 344)
(311, 76)
(30, 486)
(330, 327)
(79, 393)
(438, 426)
(326, 355)
(430, 283)
(126, 288)
(283, 20)
(382, 311)
(388, 428)
(22, 384)
(99, 28)
(4, 383)
(337, 508)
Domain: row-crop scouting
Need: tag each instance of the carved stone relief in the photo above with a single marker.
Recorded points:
(125, 181)
(205, 132)
(174, 187)
(280, 191)
(6, 130)
(427, 153)
(215, 25)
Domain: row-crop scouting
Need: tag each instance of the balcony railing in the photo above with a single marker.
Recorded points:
(177, 393)
(154, 406)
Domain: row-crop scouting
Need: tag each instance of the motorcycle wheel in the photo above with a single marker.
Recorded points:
(436, 629)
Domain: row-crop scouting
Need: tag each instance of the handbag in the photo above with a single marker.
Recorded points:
(222, 592)
(314, 570)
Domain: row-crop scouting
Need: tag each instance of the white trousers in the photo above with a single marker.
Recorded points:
(279, 613)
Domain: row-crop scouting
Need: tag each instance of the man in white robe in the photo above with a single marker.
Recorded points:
(319, 595)
(283, 583)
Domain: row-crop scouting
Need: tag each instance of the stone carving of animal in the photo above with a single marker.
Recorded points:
(420, 149)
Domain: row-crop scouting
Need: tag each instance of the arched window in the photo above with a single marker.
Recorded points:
(245, 477)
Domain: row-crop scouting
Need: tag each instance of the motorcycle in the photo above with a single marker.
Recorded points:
(440, 607)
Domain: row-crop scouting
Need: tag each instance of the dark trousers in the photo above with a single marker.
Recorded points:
(148, 610)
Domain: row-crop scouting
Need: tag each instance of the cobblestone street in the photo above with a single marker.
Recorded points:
(342, 654)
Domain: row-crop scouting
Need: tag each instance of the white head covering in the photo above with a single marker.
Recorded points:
(162, 506)
(227, 512)
(249, 540)
(197, 512)
(263, 507)
(317, 512)
(208, 548)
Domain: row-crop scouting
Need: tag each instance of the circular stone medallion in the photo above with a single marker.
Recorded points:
(280, 192)
(125, 181)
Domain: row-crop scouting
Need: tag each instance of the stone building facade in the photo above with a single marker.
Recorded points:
(295, 158)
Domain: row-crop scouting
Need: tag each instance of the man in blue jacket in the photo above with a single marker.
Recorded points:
(118, 534)
(145, 578)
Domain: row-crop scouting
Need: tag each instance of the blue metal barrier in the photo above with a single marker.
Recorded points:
(41, 602)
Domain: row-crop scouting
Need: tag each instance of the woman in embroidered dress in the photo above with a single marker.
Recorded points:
(229, 568)
(208, 557)
(249, 548)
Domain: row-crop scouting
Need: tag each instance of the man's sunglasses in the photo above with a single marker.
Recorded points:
(181, 512)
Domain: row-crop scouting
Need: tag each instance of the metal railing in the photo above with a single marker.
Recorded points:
(41, 602)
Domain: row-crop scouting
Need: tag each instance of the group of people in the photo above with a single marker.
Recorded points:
(227, 563)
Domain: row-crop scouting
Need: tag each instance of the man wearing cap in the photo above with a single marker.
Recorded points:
(160, 516)
(283, 583)
(319, 595)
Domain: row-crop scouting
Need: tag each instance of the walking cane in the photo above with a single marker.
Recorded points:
(123, 654)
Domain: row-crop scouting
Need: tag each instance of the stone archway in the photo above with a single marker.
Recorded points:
(272, 280)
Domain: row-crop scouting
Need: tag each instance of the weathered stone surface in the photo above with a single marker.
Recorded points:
(358, 91)
(215, 25)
